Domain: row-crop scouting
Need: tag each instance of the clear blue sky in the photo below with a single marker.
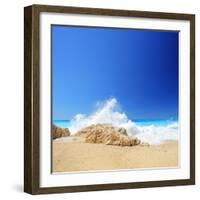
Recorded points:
(137, 67)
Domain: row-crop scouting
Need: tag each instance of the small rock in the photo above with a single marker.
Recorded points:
(122, 131)
(58, 132)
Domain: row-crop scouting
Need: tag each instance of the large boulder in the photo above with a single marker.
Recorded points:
(58, 132)
(107, 134)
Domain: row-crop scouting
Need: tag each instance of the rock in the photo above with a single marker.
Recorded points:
(58, 132)
(107, 134)
(122, 130)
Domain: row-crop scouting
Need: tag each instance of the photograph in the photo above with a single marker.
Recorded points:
(114, 99)
(109, 99)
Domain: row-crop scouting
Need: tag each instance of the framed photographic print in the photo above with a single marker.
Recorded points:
(109, 99)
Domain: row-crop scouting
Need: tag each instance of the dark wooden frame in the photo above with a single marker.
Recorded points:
(32, 104)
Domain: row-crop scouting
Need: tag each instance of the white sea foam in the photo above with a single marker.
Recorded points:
(109, 112)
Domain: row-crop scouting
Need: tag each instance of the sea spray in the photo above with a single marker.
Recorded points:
(109, 112)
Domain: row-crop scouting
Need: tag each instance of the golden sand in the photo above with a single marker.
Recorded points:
(71, 154)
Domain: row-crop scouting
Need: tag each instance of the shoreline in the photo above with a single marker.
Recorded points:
(71, 154)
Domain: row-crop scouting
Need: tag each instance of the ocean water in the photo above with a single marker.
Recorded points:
(148, 131)
(139, 122)
(62, 123)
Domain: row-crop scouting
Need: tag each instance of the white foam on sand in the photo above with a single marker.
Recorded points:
(109, 112)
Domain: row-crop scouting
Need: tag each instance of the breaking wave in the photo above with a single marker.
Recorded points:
(109, 112)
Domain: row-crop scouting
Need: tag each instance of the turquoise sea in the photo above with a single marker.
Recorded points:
(160, 122)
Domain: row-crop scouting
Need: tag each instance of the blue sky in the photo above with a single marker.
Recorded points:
(137, 67)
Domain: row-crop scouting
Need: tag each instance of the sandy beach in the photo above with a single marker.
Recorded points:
(72, 154)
